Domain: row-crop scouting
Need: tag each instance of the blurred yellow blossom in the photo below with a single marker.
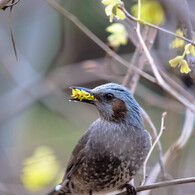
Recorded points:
(112, 8)
(39, 169)
(177, 42)
(151, 11)
(181, 62)
(118, 34)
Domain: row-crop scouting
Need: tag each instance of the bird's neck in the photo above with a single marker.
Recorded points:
(129, 119)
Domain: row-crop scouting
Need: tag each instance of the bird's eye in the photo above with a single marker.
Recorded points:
(109, 96)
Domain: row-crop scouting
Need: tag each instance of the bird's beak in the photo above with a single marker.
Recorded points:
(82, 94)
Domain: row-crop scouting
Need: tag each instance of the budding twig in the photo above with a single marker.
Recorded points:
(159, 147)
(152, 148)
(10, 26)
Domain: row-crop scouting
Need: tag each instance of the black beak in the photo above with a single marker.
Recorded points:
(81, 96)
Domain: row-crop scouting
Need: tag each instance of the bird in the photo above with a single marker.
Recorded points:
(114, 147)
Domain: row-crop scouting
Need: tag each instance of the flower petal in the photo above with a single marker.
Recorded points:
(116, 28)
(175, 61)
(108, 10)
(118, 36)
(184, 67)
(107, 2)
(192, 51)
(111, 17)
(176, 43)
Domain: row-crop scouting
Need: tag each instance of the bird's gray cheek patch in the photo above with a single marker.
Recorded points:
(119, 108)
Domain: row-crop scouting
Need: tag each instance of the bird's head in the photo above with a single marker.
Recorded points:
(114, 102)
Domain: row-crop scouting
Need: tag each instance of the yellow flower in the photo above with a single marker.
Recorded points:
(184, 67)
(175, 61)
(118, 34)
(177, 42)
(112, 8)
(192, 50)
(189, 48)
(39, 169)
(82, 95)
(179, 60)
(151, 11)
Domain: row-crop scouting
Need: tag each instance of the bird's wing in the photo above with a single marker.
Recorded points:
(77, 156)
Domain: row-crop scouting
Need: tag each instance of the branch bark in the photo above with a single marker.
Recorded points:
(162, 184)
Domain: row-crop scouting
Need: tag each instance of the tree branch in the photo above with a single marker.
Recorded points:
(162, 184)
(152, 148)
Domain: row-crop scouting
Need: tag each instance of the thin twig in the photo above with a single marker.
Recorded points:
(152, 148)
(177, 86)
(149, 58)
(157, 141)
(159, 147)
(129, 72)
(131, 78)
(166, 183)
(154, 26)
(11, 5)
(162, 184)
(10, 26)
(175, 148)
(150, 34)
(3, 3)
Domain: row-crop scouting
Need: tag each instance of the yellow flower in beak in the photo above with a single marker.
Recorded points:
(80, 94)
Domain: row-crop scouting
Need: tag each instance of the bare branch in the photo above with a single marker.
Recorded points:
(3, 3)
(163, 184)
(152, 148)
(10, 26)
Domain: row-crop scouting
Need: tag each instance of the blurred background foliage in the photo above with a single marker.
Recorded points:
(39, 127)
